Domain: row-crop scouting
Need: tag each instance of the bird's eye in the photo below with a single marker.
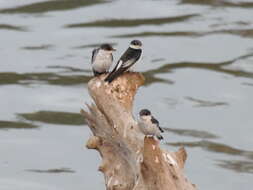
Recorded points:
(145, 112)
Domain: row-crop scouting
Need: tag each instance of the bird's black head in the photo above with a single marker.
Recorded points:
(144, 112)
(136, 44)
(107, 47)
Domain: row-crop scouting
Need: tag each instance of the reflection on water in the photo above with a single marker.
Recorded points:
(53, 171)
(68, 69)
(12, 27)
(57, 79)
(247, 84)
(93, 45)
(215, 147)
(150, 79)
(50, 78)
(16, 125)
(218, 67)
(157, 60)
(205, 103)
(41, 47)
(132, 22)
(63, 118)
(192, 133)
(171, 102)
(52, 5)
(247, 33)
(220, 3)
(160, 34)
(237, 165)
(208, 42)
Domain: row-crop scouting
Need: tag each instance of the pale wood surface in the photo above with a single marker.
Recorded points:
(129, 161)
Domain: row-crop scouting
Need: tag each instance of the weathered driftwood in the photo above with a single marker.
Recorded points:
(129, 161)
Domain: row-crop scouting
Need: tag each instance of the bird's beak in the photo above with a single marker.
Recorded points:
(113, 49)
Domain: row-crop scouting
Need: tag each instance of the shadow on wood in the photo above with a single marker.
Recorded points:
(130, 161)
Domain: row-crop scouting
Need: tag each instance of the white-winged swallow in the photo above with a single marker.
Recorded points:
(127, 60)
(149, 125)
(102, 59)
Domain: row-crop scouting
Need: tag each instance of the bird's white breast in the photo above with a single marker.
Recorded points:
(147, 127)
(102, 61)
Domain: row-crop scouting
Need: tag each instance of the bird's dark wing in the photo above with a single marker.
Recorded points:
(116, 66)
(160, 137)
(115, 73)
(125, 62)
(162, 131)
(131, 53)
(94, 54)
(156, 122)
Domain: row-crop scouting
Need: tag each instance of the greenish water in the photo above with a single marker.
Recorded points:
(64, 118)
(16, 125)
(197, 60)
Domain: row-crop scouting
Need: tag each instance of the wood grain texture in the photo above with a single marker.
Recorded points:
(130, 161)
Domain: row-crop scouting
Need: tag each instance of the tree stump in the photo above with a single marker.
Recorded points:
(130, 161)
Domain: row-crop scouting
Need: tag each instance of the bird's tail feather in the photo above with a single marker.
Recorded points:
(160, 137)
(161, 129)
(96, 73)
(112, 76)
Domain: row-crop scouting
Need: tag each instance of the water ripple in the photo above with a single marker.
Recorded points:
(53, 5)
(12, 27)
(218, 67)
(240, 166)
(54, 117)
(205, 103)
(50, 78)
(215, 147)
(133, 22)
(219, 3)
(53, 171)
(245, 33)
(16, 125)
(191, 133)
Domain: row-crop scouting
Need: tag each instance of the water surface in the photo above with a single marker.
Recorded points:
(197, 60)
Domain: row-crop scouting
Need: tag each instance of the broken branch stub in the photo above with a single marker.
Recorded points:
(129, 161)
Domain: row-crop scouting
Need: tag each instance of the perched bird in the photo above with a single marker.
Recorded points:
(102, 59)
(131, 55)
(149, 125)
